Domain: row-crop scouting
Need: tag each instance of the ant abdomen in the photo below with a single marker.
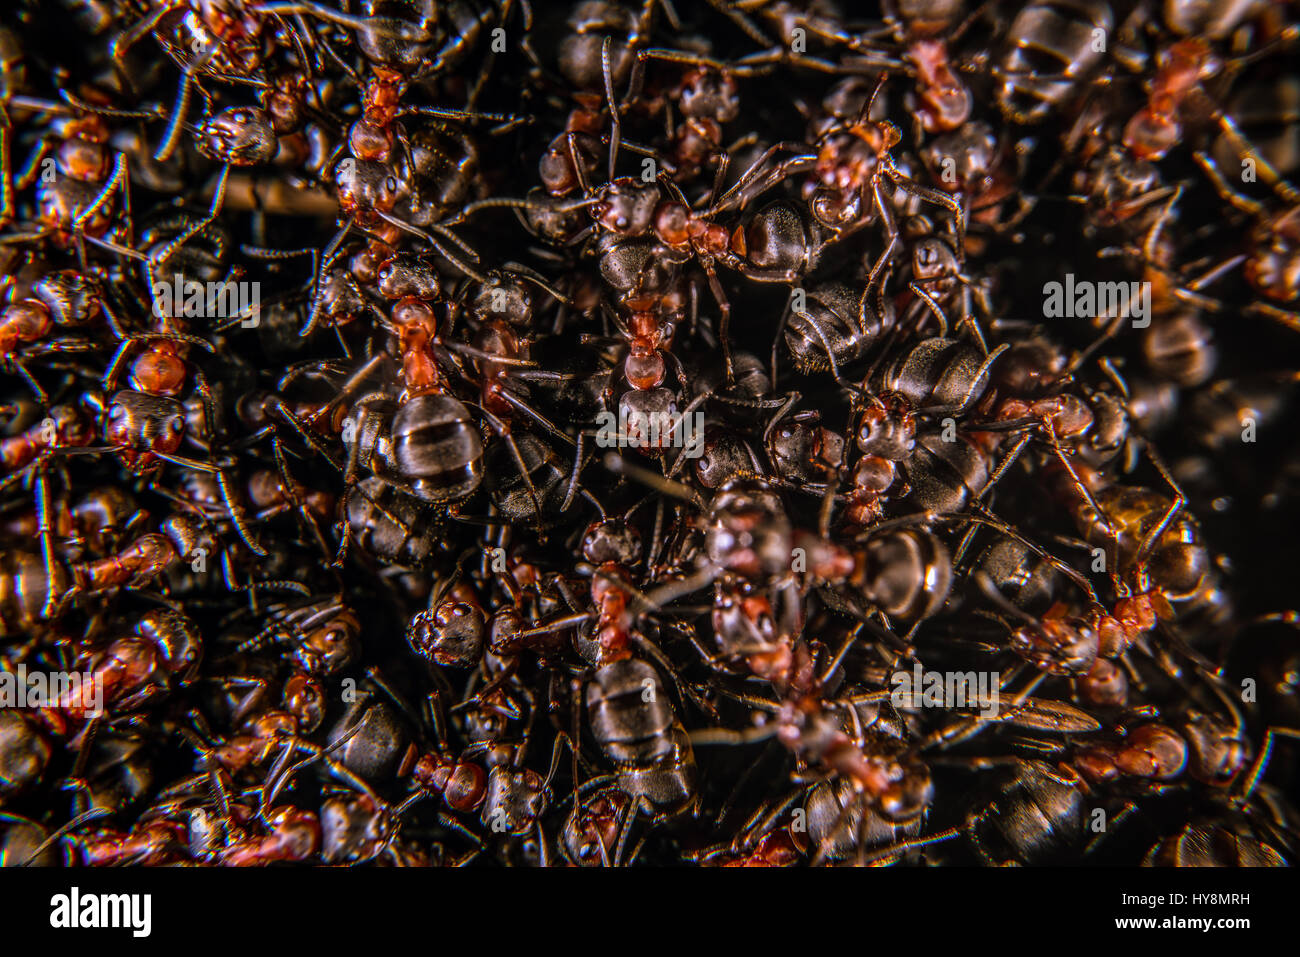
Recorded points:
(436, 448)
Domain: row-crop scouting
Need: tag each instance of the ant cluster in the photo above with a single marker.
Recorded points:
(610, 433)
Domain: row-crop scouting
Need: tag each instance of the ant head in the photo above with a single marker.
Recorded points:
(364, 186)
(284, 105)
(568, 163)
(707, 93)
(611, 540)
(910, 791)
(1153, 751)
(626, 206)
(88, 127)
(451, 634)
(504, 296)
(238, 135)
(72, 297)
(404, 275)
(887, 427)
(592, 828)
(176, 639)
(188, 532)
(934, 260)
(1216, 752)
(331, 647)
(723, 458)
(304, 697)
(888, 136)
(1058, 646)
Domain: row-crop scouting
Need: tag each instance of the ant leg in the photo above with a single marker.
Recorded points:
(281, 409)
(279, 774)
(1116, 820)
(1153, 234)
(218, 199)
(506, 118)
(128, 38)
(970, 827)
(536, 416)
(1260, 764)
(94, 814)
(620, 465)
(429, 238)
(656, 538)
(934, 308)
(968, 318)
(291, 491)
(223, 483)
(963, 729)
(100, 200)
(348, 389)
(579, 170)
(84, 740)
(6, 169)
(1153, 536)
(683, 688)
(678, 369)
(910, 844)
(1001, 469)
(624, 832)
(764, 817)
(615, 126)
(30, 379)
(716, 662)
(177, 121)
(891, 231)
(1212, 275)
(839, 656)
(1244, 203)
(504, 432)
(794, 164)
(1289, 319)
(744, 23)
(725, 736)
(574, 475)
(936, 197)
(1086, 493)
(978, 379)
(790, 401)
(326, 260)
(638, 805)
(724, 308)
(1271, 176)
(44, 519)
